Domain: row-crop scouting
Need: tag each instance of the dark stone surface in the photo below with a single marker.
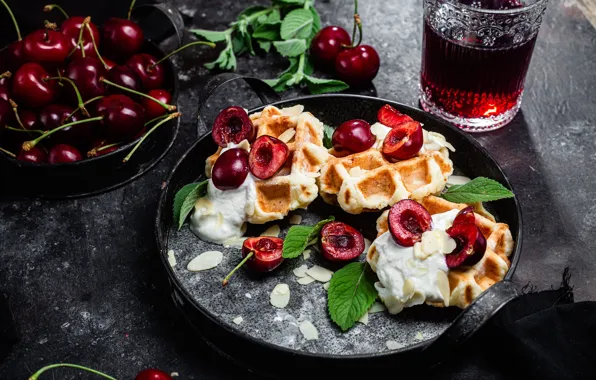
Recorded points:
(83, 277)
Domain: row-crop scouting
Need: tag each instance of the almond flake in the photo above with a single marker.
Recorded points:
(309, 331)
(296, 219)
(443, 283)
(306, 254)
(235, 242)
(367, 244)
(457, 180)
(364, 319)
(287, 135)
(204, 261)
(280, 296)
(319, 273)
(376, 307)
(171, 258)
(326, 286)
(238, 320)
(356, 171)
(300, 271)
(204, 206)
(306, 280)
(272, 231)
(393, 345)
(248, 295)
(418, 336)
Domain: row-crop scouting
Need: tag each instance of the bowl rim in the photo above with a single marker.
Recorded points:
(174, 281)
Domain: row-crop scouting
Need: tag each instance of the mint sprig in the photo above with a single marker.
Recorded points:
(328, 136)
(288, 27)
(480, 189)
(185, 199)
(300, 237)
(351, 293)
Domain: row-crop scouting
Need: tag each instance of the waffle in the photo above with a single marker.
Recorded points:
(467, 283)
(294, 186)
(366, 181)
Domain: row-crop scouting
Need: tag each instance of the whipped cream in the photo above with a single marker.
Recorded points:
(410, 276)
(219, 215)
(432, 140)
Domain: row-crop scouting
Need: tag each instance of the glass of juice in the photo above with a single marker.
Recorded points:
(475, 56)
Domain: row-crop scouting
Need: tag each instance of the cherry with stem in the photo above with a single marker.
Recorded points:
(51, 7)
(27, 145)
(81, 104)
(168, 107)
(14, 51)
(86, 25)
(36, 375)
(168, 118)
(84, 104)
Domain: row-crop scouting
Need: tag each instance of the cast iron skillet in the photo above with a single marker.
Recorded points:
(273, 360)
(100, 174)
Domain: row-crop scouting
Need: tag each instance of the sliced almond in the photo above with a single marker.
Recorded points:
(238, 320)
(443, 284)
(306, 254)
(457, 180)
(356, 171)
(171, 258)
(326, 286)
(408, 288)
(309, 331)
(393, 345)
(319, 273)
(431, 242)
(419, 254)
(280, 296)
(296, 219)
(376, 307)
(204, 206)
(235, 242)
(418, 336)
(367, 244)
(306, 280)
(247, 295)
(364, 319)
(204, 261)
(287, 135)
(301, 271)
(272, 231)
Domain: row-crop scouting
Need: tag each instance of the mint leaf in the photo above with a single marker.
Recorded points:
(327, 136)
(480, 189)
(351, 293)
(293, 66)
(280, 84)
(297, 24)
(210, 35)
(308, 66)
(274, 17)
(265, 45)
(320, 86)
(316, 24)
(185, 199)
(290, 48)
(267, 32)
(297, 2)
(225, 61)
(299, 237)
(250, 11)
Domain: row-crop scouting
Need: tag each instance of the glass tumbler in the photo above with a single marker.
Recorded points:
(475, 56)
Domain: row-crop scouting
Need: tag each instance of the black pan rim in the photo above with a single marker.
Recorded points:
(162, 240)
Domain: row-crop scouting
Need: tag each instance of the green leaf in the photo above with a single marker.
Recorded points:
(185, 199)
(328, 135)
(210, 35)
(265, 45)
(308, 66)
(293, 66)
(274, 17)
(290, 48)
(242, 42)
(225, 61)
(297, 24)
(351, 293)
(250, 11)
(480, 189)
(297, 2)
(280, 84)
(299, 237)
(321, 86)
(267, 32)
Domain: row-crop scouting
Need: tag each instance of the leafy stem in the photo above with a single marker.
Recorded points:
(36, 375)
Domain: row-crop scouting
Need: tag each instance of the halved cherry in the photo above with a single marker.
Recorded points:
(232, 125)
(230, 169)
(341, 242)
(391, 117)
(267, 156)
(261, 254)
(466, 215)
(354, 136)
(471, 245)
(408, 220)
(404, 141)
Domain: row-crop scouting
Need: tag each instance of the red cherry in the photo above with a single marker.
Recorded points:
(12, 56)
(55, 115)
(357, 66)
(354, 136)
(6, 113)
(36, 155)
(5, 86)
(232, 125)
(121, 38)
(123, 117)
(470, 248)
(86, 72)
(404, 141)
(465, 216)
(29, 87)
(71, 28)
(341, 242)
(153, 374)
(29, 119)
(267, 253)
(230, 169)
(150, 72)
(109, 63)
(123, 76)
(267, 156)
(62, 153)
(328, 43)
(391, 117)
(408, 220)
(47, 47)
(153, 109)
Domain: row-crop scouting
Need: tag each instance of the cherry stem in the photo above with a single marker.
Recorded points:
(51, 7)
(210, 44)
(170, 117)
(14, 20)
(6, 74)
(93, 152)
(86, 23)
(132, 5)
(11, 154)
(25, 130)
(168, 107)
(155, 119)
(27, 145)
(85, 104)
(357, 26)
(79, 98)
(16, 113)
(79, 41)
(49, 25)
(227, 279)
(44, 369)
(355, 13)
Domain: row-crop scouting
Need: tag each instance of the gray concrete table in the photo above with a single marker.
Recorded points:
(83, 276)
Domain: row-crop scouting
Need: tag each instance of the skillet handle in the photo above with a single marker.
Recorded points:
(470, 321)
(159, 22)
(262, 89)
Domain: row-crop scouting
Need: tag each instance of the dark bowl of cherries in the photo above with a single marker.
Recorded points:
(84, 108)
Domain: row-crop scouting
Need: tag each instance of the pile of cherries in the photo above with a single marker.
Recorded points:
(404, 141)
(408, 220)
(75, 89)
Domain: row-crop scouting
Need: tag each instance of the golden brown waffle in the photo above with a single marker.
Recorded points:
(366, 181)
(294, 186)
(466, 283)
